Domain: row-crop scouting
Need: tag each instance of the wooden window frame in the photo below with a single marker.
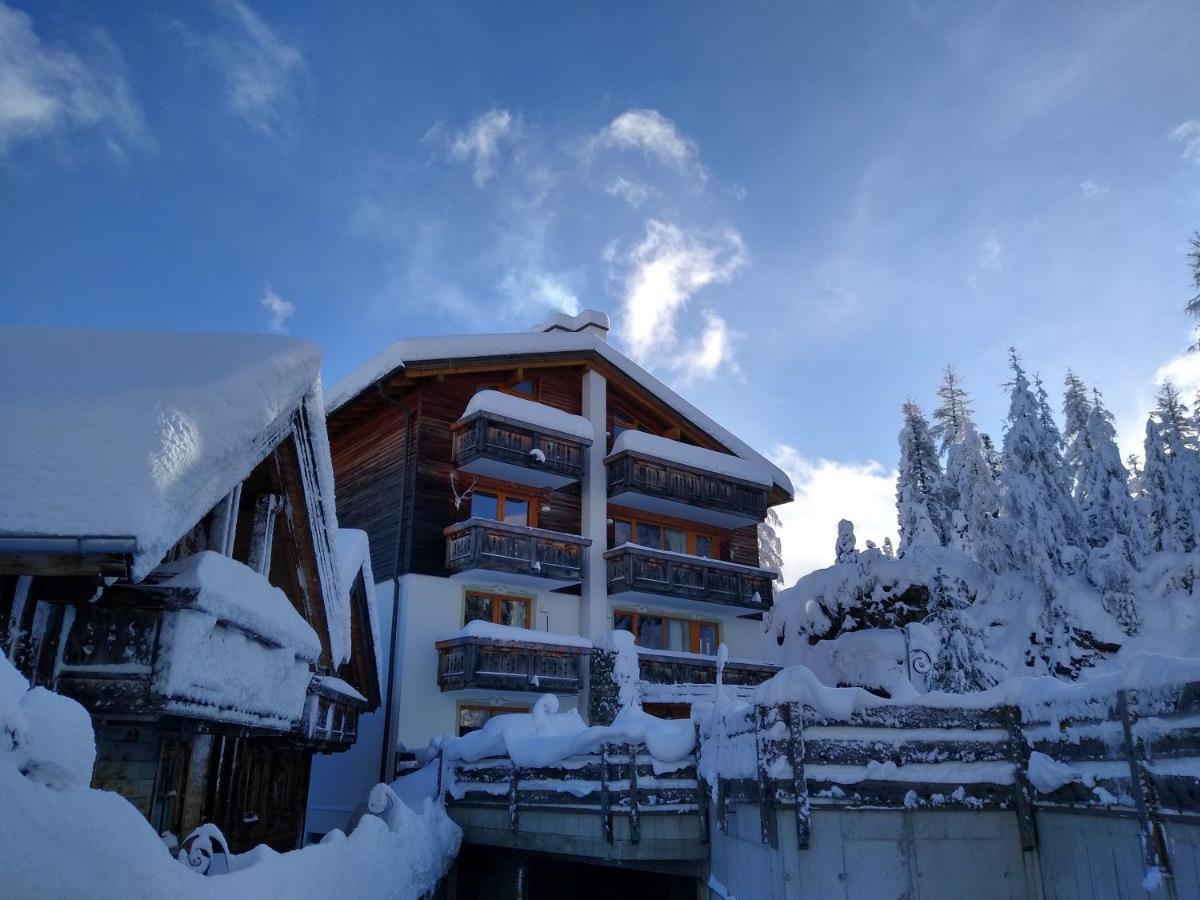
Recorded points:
(496, 603)
(486, 707)
(693, 627)
(691, 531)
(506, 387)
(502, 494)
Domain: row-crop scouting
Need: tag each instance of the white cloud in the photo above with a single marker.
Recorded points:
(1188, 134)
(257, 65)
(279, 310)
(663, 272)
(988, 258)
(48, 89)
(533, 287)
(479, 144)
(711, 354)
(655, 135)
(635, 193)
(826, 492)
(1091, 190)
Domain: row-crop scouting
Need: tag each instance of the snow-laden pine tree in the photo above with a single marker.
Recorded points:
(770, 547)
(844, 550)
(923, 516)
(1076, 407)
(1194, 264)
(1041, 517)
(1112, 525)
(1170, 480)
(995, 459)
(888, 551)
(953, 410)
(963, 664)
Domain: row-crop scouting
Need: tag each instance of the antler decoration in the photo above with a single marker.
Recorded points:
(459, 498)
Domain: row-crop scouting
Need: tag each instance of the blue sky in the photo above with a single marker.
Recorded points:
(797, 213)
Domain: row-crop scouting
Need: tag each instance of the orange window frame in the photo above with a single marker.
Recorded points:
(497, 600)
(692, 624)
(501, 494)
(692, 533)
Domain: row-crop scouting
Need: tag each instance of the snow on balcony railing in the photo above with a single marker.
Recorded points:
(694, 457)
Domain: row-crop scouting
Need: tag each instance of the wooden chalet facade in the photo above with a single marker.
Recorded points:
(489, 476)
(214, 673)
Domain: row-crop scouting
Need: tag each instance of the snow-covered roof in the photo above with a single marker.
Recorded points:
(235, 593)
(530, 411)
(752, 470)
(136, 434)
(493, 631)
(354, 554)
(473, 347)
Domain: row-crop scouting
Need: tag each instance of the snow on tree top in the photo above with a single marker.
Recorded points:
(532, 412)
(460, 348)
(137, 434)
(691, 455)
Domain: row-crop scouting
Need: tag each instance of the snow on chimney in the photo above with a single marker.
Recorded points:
(590, 320)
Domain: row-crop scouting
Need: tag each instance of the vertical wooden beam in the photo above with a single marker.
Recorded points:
(1018, 753)
(701, 792)
(635, 812)
(606, 821)
(766, 787)
(795, 718)
(513, 823)
(1154, 841)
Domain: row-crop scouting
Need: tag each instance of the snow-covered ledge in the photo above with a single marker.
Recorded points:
(502, 657)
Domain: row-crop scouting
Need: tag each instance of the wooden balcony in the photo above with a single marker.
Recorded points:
(692, 668)
(641, 572)
(661, 486)
(496, 447)
(481, 662)
(523, 555)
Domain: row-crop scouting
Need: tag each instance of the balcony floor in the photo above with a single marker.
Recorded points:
(675, 509)
(480, 575)
(667, 600)
(517, 474)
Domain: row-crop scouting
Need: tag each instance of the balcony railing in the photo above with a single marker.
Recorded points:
(661, 573)
(658, 485)
(489, 444)
(516, 549)
(480, 662)
(679, 668)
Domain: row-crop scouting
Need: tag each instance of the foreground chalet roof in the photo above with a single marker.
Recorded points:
(559, 339)
(132, 437)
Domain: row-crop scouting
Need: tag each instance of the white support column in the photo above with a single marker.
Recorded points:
(593, 610)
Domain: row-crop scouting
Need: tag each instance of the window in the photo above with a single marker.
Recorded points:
(658, 632)
(527, 388)
(622, 421)
(472, 718)
(664, 537)
(502, 506)
(498, 608)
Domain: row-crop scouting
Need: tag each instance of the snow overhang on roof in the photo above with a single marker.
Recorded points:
(452, 350)
(137, 433)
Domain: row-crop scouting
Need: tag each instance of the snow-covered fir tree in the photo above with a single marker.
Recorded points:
(1169, 486)
(1076, 407)
(844, 550)
(953, 410)
(888, 551)
(923, 516)
(770, 546)
(963, 663)
(1193, 306)
(995, 459)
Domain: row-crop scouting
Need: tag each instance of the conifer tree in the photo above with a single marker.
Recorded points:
(924, 519)
(1170, 482)
(770, 546)
(953, 410)
(1194, 264)
(995, 459)
(1076, 407)
(889, 552)
(844, 550)
(963, 664)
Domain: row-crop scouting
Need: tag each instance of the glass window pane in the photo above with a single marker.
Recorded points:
(514, 613)
(676, 540)
(622, 532)
(478, 607)
(704, 546)
(677, 635)
(650, 631)
(523, 387)
(623, 621)
(649, 535)
(708, 638)
(516, 511)
(472, 719)
(484, 505)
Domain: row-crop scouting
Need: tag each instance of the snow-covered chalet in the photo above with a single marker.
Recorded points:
(169, 557)
(525, 495)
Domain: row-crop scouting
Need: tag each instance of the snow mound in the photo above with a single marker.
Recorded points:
(531, 412)
(493, 631)
(60, 747)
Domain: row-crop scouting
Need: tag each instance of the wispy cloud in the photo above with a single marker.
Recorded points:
(1188, 134)
(826, 492)
(655, 135)
(989, 258)
(662, 273)
(1091, 190)
(259, 67)
(479, 144)
(635, 193)
(278, 310)
(48, 89)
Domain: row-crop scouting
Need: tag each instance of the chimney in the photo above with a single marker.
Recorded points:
(590, 320)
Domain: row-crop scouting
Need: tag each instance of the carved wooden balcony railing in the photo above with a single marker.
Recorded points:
(490, 444)
(481, 662)
(678, 668)
(659, 485)
(647, 571)
(516, 549)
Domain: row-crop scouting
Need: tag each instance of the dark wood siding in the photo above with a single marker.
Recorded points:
(743, 546)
